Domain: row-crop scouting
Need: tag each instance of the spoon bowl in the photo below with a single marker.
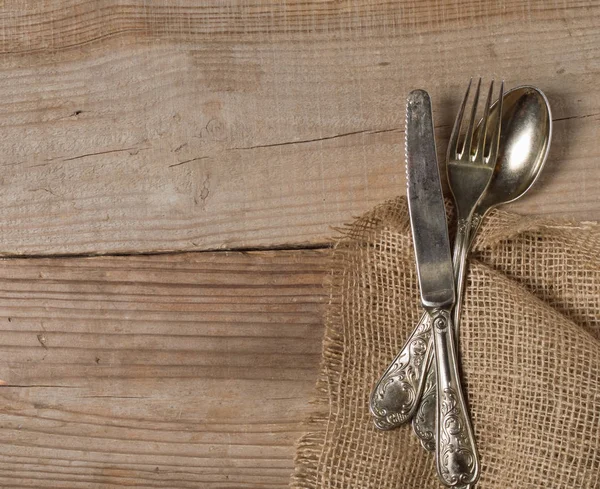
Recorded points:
(524, 145)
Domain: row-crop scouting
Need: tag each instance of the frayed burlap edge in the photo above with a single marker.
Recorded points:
(499, 226)
(310, 447)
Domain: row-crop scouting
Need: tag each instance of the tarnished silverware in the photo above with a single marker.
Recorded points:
(523, 150)
(456, 453)
(396, 397)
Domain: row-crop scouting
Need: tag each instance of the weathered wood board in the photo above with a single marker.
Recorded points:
(141, 126)
(170, 371)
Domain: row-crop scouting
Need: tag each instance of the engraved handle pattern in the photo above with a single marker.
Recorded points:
(404, 391)
(423, 422)
(396, 396)
(456, 452)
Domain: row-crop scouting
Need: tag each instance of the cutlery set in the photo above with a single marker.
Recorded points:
(496, 161)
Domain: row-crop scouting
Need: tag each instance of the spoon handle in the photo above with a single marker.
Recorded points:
(396, 396)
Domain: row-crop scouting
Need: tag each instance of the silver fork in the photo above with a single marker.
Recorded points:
(399, 392)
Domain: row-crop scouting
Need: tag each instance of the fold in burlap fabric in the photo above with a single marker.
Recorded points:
(530, 345)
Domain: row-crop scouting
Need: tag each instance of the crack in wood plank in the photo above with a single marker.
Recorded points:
(103, 153)
(316, 140)
(188, 161)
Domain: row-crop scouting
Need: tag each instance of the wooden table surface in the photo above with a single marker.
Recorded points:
(208, 148)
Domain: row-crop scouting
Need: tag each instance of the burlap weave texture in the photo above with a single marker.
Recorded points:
(530, 345)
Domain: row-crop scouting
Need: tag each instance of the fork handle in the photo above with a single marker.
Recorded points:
(423, 422)
(457, 460)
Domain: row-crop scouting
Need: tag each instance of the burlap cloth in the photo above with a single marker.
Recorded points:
(530, 344)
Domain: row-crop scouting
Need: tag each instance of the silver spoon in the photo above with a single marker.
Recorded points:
(523, 150)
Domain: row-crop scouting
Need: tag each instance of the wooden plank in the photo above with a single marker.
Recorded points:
(178, 371)
(153, 126)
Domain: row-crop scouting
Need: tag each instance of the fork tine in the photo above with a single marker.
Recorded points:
(466, 149)
(453, 143)
(496, 139)
(484, 122)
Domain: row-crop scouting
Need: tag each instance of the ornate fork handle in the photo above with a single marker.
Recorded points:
(423, 422)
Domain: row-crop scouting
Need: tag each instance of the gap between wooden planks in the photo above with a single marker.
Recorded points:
(174, 371)
(140, 128)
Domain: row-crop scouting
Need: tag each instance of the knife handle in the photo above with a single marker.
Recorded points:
(456, 451)
(396, 396)
(423, 422)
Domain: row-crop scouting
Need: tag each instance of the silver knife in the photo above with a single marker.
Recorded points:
(457, 460)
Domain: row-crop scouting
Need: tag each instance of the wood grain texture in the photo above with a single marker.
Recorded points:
(134, 126)
(172, 371)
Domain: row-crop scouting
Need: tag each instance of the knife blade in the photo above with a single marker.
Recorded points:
(457, 460)
(426, 205)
